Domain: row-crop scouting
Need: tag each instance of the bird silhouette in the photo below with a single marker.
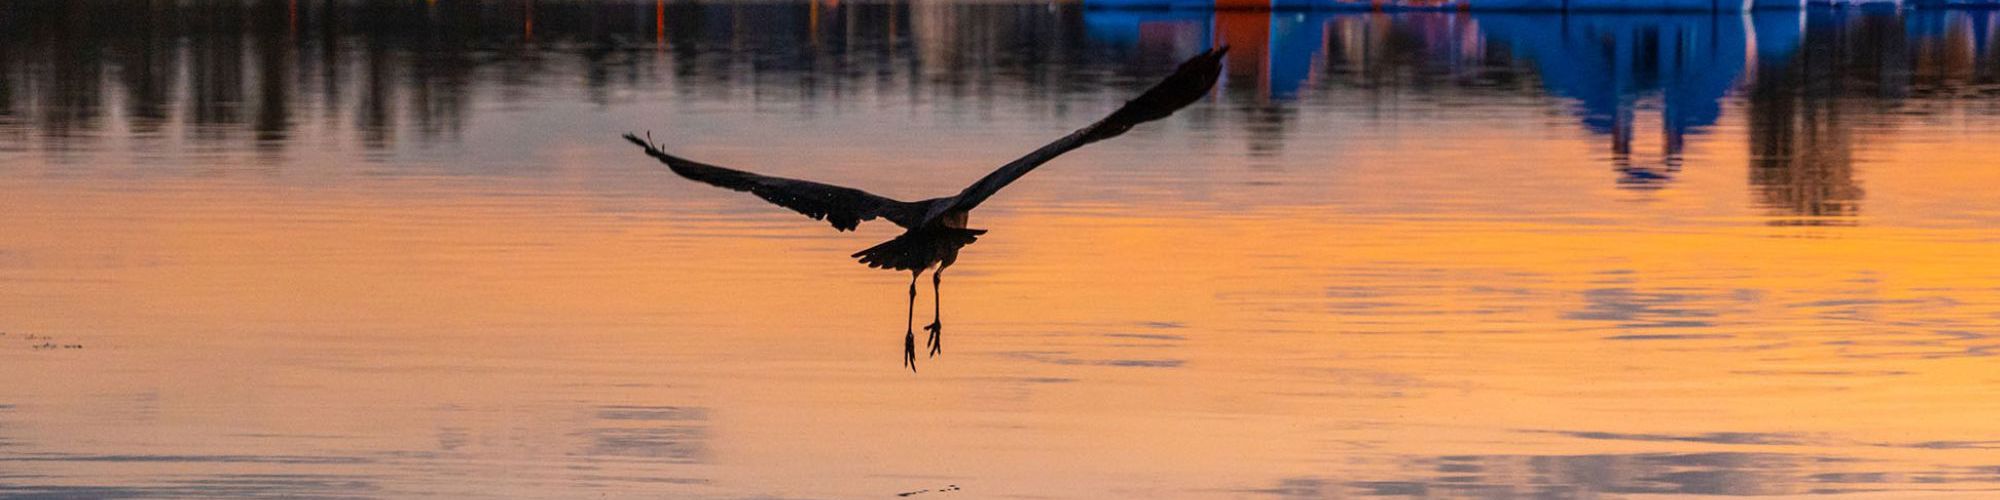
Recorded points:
(936, 228)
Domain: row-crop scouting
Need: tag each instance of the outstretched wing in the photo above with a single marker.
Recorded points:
(1188, 84)
(844, 207)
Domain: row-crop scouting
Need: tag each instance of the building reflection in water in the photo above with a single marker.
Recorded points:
(233, 77)
(1616, 67)
(1613, 67)
(1625, 72)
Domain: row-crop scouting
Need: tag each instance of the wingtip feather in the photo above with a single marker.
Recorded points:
(634, 138)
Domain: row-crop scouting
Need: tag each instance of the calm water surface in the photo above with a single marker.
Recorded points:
(397, 250)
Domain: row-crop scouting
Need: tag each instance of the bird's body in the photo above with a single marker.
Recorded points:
(935, 229)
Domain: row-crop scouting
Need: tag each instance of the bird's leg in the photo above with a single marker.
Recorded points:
(909, 335)
(937, 309)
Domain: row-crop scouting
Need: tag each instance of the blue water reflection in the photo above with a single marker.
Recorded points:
(1610, 63)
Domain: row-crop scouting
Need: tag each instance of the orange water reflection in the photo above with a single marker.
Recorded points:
(442, 274)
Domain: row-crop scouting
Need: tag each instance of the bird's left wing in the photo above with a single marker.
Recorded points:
(844, 207)
(1188, 84)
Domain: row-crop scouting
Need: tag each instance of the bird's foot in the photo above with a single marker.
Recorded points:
(910, 350)
(936, 344)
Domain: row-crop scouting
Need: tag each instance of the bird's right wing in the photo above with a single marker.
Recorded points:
(1188, 84)
(844, 207)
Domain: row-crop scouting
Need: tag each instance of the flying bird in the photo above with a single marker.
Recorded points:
(936, 228)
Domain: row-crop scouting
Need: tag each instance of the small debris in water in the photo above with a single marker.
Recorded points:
(45, 344)
(946, 489)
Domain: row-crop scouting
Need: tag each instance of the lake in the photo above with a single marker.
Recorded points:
(398, 250)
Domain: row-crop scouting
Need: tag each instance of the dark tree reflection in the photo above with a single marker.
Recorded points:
(233, 76)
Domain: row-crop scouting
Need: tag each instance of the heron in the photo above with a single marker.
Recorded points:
(935, 229)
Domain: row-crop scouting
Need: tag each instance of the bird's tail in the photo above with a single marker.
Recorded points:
(918, 249)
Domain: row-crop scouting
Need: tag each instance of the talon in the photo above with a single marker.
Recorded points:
(936, 341)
